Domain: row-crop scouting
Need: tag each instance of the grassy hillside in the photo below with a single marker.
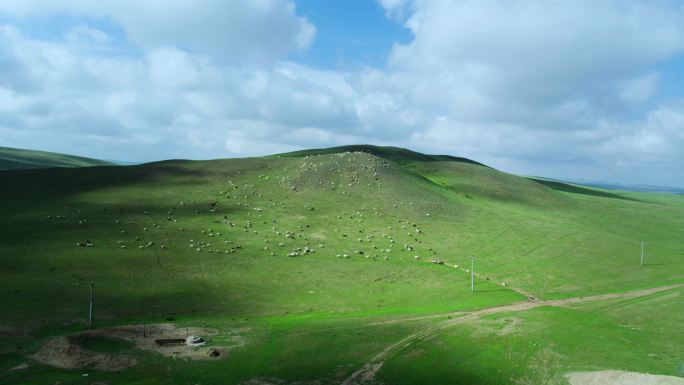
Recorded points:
(306, 254)
(14, 158)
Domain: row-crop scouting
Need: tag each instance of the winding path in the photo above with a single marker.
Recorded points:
(367, 372)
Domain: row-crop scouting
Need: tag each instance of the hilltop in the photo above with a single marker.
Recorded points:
(302, 267)
(14, 158)
(395, 154)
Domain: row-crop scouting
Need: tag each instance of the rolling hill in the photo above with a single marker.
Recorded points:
(344, 265)
(14, 158)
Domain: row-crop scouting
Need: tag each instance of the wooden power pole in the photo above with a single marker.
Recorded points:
(472, 273)
(90, 308)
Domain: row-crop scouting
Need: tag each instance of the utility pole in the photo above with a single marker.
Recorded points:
(472, 273)
(642, 253)
(90, 308)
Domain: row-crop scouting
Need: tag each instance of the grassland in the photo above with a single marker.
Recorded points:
(224, 243)
(20, 159)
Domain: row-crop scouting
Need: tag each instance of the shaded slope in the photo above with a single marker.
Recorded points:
(14, 158)
(395, 154)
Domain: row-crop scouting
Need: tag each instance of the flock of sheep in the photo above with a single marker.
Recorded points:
(239, 215)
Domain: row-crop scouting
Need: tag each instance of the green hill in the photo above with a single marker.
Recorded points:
(14, 159)
(310, 264)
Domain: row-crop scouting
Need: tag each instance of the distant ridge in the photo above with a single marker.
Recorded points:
(612, 185)
(630, 187)
(21, 159)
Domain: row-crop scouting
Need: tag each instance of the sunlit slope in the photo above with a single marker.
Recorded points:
(14, 158)
(231, 237)
(555, 239)
(549, 238)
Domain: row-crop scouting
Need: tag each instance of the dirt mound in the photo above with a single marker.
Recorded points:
(63, 352)
(614, 377)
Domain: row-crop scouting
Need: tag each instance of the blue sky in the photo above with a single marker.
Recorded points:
(350, 34)
(577, 90)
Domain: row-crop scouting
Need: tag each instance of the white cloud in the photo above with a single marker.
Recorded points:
(552, 88)
(396, 9)
(535, 54)
(658, 138)
(173, 68)
(639, 89)
(238, 31)
(187, 104)
(83, 34)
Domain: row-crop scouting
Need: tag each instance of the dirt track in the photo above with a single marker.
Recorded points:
(367, 372)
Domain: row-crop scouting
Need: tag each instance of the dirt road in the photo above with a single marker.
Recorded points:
(367, 372)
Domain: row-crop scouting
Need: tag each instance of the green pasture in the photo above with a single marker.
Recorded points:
(310, 258)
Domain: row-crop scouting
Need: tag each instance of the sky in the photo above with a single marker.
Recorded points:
(580, 89)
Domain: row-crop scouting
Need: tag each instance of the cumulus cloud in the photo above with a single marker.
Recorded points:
(553, 88)
(238, 31)
(525, 83)
(182, 103)
(537, 54)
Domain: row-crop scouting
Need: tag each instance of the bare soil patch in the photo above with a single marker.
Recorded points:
(500, 327)
(64, 352)
(615, 377)
(145, 340)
